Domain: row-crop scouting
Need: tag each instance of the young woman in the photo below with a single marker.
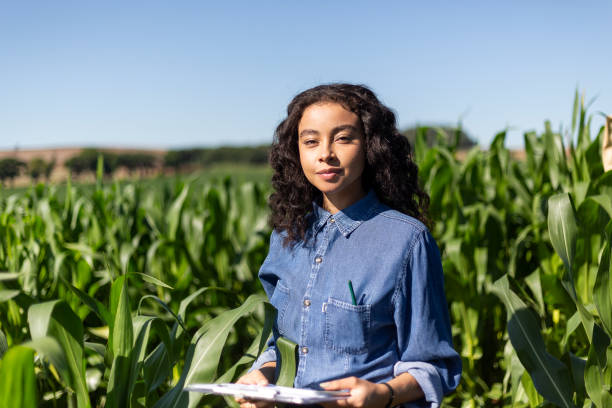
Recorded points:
(347, 207)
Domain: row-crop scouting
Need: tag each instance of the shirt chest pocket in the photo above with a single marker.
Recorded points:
(347, 326)
(280, 300)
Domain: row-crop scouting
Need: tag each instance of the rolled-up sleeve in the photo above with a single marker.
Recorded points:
(423, 323)
(269, 354)
(268, 281)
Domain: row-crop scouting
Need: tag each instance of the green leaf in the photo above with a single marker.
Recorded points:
(187, 301)
(3, 344)
(49, 348)
(56, 319)
(164, 305)
(9, 276)
(151, 279)
(93, 304)
(562, 228)
(122, 340)
(17, 379)
(143, 327)
(602, 291)
(535, 399)
(205, 352)
(156, 367)
(604, 201)
(596, 386)
(570, 327)
(535, 285)
(575, 110)
(256, 347)
(578, 365)
(7, 294)
(116, 290)
(288, 358)
(550, 376)
(174, 214)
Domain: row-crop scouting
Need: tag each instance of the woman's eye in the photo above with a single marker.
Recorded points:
(309, 142)
(343, 138)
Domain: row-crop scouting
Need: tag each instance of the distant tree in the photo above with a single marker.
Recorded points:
(10, 168)
(136, 161)
(185, 157)
(49, 169)
(260, 155)
(87, 161)
(224, 154)
(38, 168)
(227, 154)
(445, 134)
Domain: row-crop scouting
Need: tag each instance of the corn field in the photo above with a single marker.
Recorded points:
(121, 294)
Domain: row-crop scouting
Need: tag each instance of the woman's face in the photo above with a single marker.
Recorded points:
(331, 147)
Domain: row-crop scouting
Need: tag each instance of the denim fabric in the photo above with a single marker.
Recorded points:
(400, 322)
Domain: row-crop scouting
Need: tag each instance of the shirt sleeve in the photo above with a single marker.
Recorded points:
(268, 281)
(269, 354)
(423, 323)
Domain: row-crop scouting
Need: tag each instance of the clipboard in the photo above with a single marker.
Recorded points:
(276, 393)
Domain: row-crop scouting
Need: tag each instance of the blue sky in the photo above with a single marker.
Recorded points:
(199, 73)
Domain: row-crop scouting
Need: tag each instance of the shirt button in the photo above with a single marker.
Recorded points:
(307, 302)
(304, 350)
(332, 220)
(318, 259)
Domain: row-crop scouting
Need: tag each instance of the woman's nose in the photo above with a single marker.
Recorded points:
(326, 152)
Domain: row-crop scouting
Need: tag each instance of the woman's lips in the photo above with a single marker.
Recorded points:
(328, 174)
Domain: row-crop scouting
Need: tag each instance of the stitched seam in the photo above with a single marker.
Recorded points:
(402, 276)
(364, 316)
(370, 212)
(412, 222)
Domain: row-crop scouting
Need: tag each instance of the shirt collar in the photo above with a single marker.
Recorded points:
(348, 219)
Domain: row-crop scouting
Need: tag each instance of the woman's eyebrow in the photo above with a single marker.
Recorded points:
(307, 132)
(340, 128)
(337, 129)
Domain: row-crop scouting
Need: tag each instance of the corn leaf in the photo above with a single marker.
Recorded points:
(602, 291)
(3, 344)
(174, 214)
(563, 231)
(94, 305)
(119, 381)
(288, 358)
(17, 379)
(8, 294)
(595, 383)
(204, 354)
(550, 376)
(56, 319)
(151, 279)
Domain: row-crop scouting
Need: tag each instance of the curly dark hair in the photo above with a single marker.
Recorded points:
(389, 170)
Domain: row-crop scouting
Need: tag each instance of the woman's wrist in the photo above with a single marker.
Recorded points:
(384, 395)
(391, 395)
(268, 370)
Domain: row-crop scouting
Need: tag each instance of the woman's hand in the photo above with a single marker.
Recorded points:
(363, 393)
(263, 376)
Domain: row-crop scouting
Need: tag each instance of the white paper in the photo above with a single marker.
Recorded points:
(269, 393)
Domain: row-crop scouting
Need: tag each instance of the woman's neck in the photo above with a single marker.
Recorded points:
(334, 203)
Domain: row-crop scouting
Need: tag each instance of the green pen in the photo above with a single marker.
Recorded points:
(352, 293)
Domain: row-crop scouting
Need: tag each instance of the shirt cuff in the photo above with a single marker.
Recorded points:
(427, 376)
(268, 355)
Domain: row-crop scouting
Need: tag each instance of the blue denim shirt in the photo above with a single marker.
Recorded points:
(400, 322)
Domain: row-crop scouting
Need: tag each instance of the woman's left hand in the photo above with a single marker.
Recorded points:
(363, 393)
